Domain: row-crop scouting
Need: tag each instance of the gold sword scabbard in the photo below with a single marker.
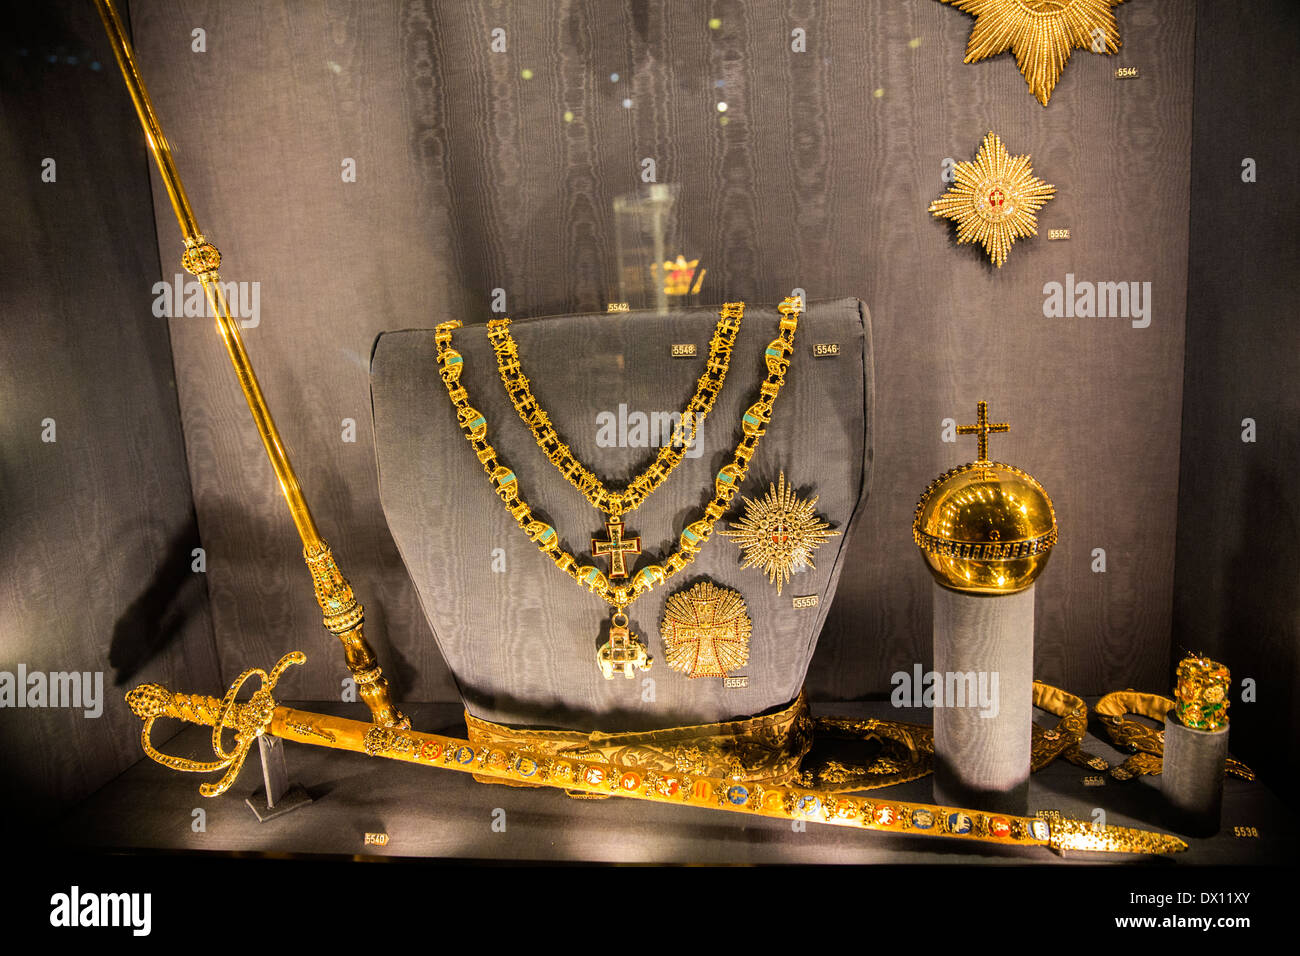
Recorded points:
(261, 715)
(1091, 837)
(343, 614)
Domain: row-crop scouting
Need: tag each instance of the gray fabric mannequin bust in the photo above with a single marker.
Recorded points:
(519, 634)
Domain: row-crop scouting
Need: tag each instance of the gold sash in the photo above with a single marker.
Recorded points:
(1148, 743)
(774, 748)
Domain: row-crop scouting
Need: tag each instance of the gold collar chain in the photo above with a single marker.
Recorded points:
(670, 455)
(624, 650)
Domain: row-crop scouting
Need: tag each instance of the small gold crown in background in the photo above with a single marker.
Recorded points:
(678, 275)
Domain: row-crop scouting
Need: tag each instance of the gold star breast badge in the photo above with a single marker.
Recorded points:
(1041, 33)
(994, 200)
(779, 533)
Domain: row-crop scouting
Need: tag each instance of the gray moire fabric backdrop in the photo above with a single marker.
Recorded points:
(97, 525)
(520, 635)
(1238, 523)
(469, 179)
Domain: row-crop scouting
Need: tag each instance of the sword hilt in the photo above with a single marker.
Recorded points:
(249, 719)
(153, 701)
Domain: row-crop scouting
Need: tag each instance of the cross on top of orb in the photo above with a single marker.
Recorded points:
(982, 428)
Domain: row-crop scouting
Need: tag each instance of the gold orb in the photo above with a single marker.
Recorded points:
(985, 528)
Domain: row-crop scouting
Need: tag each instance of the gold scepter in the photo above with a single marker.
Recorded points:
(261, 715)
(343, 614)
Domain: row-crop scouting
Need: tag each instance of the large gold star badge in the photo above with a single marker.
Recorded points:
(1041, 33)
(994, 199)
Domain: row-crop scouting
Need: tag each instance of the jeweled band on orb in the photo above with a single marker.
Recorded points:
(987, 551)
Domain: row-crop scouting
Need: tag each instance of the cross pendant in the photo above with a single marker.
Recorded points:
(616, 548)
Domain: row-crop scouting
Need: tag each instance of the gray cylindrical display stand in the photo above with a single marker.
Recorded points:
(982, 748)
(1191, 777)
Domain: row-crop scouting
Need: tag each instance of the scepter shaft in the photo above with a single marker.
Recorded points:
(160, 148)
(343, 614)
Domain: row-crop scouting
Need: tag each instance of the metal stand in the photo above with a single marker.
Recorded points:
(276, 797)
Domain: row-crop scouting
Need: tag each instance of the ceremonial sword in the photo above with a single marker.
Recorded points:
(583, 774)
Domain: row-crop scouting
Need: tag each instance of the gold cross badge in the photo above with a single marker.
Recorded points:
(617, 548)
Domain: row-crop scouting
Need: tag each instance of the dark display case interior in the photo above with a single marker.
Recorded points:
(370, 171)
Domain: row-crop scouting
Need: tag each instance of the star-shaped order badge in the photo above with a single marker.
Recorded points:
(994, 200)
(1041, 33)
(779, 532)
